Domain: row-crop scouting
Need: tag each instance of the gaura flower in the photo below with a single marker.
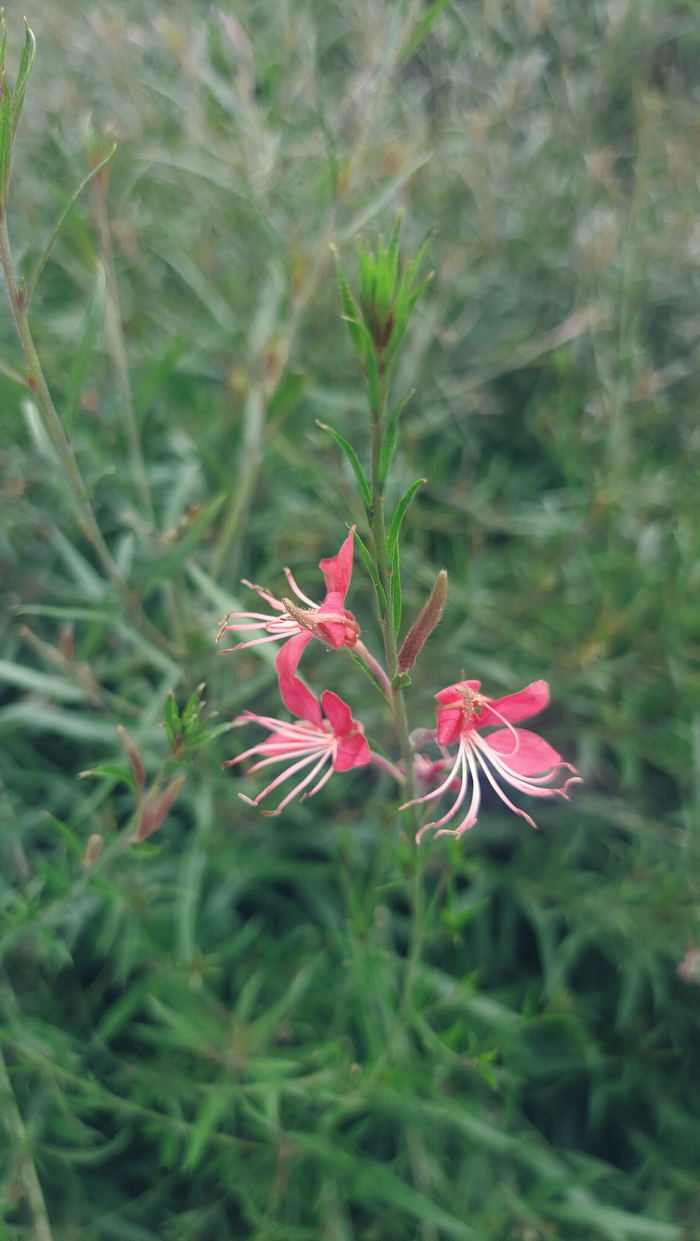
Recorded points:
(521, 758)
(336, 739)
(329, 621)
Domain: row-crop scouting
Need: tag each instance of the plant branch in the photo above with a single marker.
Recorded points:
(17, 1133)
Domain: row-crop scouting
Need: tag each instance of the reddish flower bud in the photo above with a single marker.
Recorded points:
(156, 806)
(93, 849)
(424, 625)
(132, 753)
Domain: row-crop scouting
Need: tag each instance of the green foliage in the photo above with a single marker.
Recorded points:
(274, 1028)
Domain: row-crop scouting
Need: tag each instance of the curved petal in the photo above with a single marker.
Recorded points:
(334, 603)
(352, 752)
(452, 694)
(338, 712)
(289, 655)
(300, 700)
(450, 724)
(532, 755)
(337, 570)
(518, 706)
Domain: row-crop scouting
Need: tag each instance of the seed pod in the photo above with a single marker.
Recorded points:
(155, 808)
(93, 849)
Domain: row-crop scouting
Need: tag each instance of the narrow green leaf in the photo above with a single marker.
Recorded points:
(111, 771)
(399, 515)
(384, 290)
(154, 379)
(216, 1103)
(351, 313)
(74, 842)
(211, 735)
(354, 462)
(39, 267)
(81, 365)
(396, 591)
(173, 560)
(372, 570)
(37, 682)
(5, 142)
(26, 64)
(388, 448)
(287, 396)
(173, 727)
(3, 41)
(422, 28)
(368, 280)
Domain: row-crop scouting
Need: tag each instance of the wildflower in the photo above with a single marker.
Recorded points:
(521, 758)
(338, 739)
(329, 621)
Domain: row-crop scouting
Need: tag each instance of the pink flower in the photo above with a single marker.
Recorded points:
(330, 621)
(337, 738)
(519, 757)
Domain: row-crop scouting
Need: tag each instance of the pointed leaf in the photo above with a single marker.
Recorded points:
(372, 570)
(399, 516)
(39, 267)
(5, 142)
(422, 28)
(351, 313)
(354, 462)
(26, 64)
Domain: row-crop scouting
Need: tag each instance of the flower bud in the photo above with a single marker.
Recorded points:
(425, 623)
(132, 753)
(156, 806)
(93, 849)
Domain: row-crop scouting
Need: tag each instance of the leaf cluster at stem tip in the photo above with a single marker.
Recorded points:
(12, 102)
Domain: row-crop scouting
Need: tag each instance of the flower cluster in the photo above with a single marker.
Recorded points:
(328, 739)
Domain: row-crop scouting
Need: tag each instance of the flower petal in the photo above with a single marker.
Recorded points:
(524, 753)
(352, 752)
(338, 712)
(288, 656)
(300, 700)
(518, 706)
(337, 570)
(334, 603)
(450, 724)
(452, 693)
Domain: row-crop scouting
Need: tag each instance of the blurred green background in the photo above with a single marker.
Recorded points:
(224, 1033)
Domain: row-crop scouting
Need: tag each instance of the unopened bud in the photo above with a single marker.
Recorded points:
(155, 808)
(425, 623)
(66, 643)
(93, 849)
(132, 753)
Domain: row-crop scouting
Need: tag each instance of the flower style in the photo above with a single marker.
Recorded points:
(338, 738)
(329, 621)
(521, 758)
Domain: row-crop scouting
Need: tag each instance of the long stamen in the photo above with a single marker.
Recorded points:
(284, 775)
(460, 796)
(470, 818)
(302, 785)
(436, 792)
(299, 594)
(497, 788)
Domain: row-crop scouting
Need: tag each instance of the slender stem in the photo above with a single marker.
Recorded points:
(387, 622)
(20, 1150)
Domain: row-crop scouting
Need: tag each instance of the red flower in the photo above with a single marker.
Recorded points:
(521, 758)
(330, 622)
(338, 738)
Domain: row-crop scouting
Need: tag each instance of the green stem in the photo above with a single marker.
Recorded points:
(20, 1150)
(387, 623)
